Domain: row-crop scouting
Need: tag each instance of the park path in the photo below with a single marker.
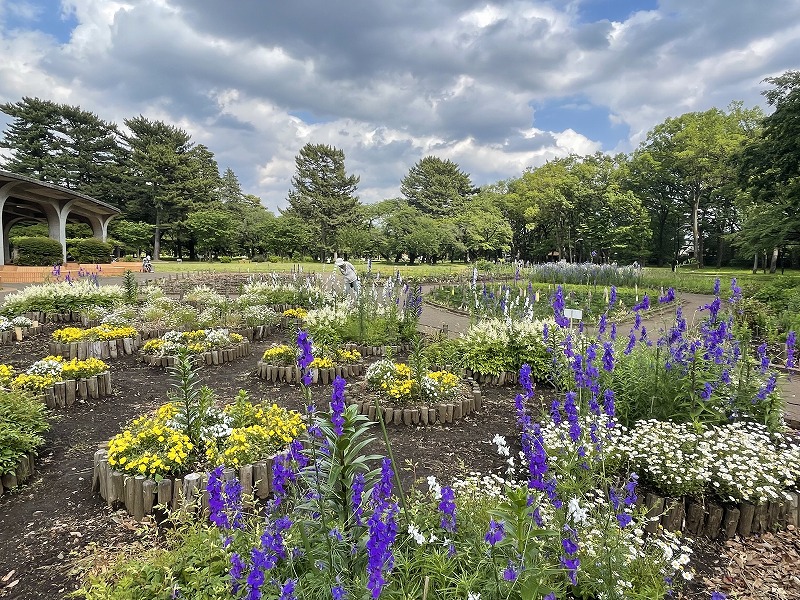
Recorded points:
(434, 318)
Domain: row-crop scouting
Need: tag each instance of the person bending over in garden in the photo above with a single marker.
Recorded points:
(348, 271)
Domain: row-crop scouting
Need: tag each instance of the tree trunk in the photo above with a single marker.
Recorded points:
(698, 250)
(755, 264)
(773, 265)
(157, 237)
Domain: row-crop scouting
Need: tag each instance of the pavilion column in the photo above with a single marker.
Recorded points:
(100, 226)
(57, 214)
(5, 251)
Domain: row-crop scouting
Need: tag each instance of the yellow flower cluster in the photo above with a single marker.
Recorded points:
(440, 386)
(270, 429)
(321, 363)
(445, 379)
(148, 447)
(347, 357)
(279, 355)
(100, 333)
(398, 389)
(33, 382)
(153, 346)
(78, 369)
(6, 375)
(297, 313)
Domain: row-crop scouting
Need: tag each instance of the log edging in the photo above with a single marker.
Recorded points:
(9, 336)
(293, 374)
(104, 349)
(20, 474)
(425, 415)
(63, 394)
(141, 496)
(217, 356)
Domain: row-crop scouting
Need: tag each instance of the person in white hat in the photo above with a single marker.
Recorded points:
(348, 271)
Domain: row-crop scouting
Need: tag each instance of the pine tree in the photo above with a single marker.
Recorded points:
(323, 194)
(437, 187)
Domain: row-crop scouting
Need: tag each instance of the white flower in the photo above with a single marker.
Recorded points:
(434, 487)
(415, 533)
(473, 596)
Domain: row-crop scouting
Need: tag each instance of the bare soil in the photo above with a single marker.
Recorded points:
(54, 523)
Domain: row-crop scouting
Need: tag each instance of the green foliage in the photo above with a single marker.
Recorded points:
(193, 401)
(323, 194)
(437, 187)
(23, 420)
(131, 287)
(192, 561)
(38, 252)
(92, 250)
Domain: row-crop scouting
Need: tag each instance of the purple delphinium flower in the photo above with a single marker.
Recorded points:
(569, 560)
(631, 342)
(306, 355)
(763, 358)
(337, 405)
(496, 532)
(766, 389)
(716, 286)
(602, 324)
(382, 527)
(707, 390)
(718, 596)
(608, 357)
(791, 340)
(287, 590)
(338, 592)
(571, 410)
(608, 406)
(612, 300)
(525, 379)
(236, 572)
(511, 572)
(357, 493)
(669, 296)
(613, 334)
(736, 291)
(447, 506)
(643, 305)
(558, 307)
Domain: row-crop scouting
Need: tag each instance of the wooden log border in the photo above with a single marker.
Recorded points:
(103, 350)
(425, 415)
(17, 334)
(63, 394)
(141, 496)
(212, 357)
(24, 470)
(394, 350)
(292, 374)
(74, 316)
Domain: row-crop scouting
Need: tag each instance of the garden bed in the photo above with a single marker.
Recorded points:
(9, 336)
(216, 356)
(292, 374)
(98, 349)
(141, 496)
(64, 394)
(440, 413)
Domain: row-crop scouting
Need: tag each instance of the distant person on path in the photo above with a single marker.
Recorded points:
(348, 271)
(147, 266)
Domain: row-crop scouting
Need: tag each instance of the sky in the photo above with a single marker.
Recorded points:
(497, 87)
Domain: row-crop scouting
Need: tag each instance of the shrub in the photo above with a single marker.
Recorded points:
(38, 252)
(92, 250)
(22, 422)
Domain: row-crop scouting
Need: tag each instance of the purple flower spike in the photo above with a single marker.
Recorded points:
(337, 405)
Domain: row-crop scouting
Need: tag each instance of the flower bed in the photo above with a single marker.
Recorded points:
(61, 382)
(19, 474)
(12, 330)
(438, 397)
(103, 341)
(206, 346)
(279, 364)
(146, 465)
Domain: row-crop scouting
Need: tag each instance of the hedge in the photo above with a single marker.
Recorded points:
(38, 252)
(92, 250)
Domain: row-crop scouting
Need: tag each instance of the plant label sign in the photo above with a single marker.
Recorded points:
(573, 314)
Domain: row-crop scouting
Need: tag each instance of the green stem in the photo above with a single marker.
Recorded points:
(398, 485)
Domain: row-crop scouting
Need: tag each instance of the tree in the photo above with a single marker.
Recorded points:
(695, 152)
(214, 229)
(769, 169)
(171, 174)
(488, 234)
(437, 187)
(136, 235)
(67, 146)
(323, 194)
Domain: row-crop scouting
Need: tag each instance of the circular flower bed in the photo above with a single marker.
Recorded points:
(103, 341)
(59, 380)
(210, 346)
(279, 363)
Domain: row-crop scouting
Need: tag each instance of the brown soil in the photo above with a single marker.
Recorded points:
(54, 522)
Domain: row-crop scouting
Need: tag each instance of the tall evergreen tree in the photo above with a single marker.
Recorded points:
(437, 187)
(31, 138)
(323, 194)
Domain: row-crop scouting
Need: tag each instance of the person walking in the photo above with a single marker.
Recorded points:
(348, 271)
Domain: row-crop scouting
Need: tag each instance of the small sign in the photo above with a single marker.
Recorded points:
(573, 313)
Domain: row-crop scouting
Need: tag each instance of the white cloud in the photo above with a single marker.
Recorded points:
(390, 82)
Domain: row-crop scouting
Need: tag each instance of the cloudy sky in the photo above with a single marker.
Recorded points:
(496, 87)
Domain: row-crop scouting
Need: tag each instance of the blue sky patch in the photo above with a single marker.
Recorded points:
(580, 115)
(45, 16)
(591, 11)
